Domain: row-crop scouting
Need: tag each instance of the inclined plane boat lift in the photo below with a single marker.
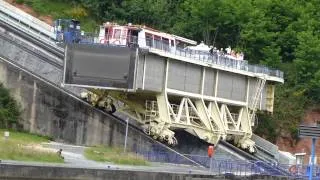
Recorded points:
(167, 82)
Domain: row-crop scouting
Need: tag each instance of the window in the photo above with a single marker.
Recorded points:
(149, 40)
(157, 42)
(165, 44)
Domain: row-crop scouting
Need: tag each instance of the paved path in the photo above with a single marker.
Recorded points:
(74, 157)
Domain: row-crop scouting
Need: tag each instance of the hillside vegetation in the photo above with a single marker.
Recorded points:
(9, 109)
(282, 34)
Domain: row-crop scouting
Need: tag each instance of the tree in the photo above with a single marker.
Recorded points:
(9, 109)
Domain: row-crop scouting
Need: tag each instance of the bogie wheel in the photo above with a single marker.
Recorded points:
(172, 141)
(113, 109)
(147, 130)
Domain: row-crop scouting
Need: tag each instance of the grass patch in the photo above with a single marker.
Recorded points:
(62, 9)
(114, 155)
(26, 147)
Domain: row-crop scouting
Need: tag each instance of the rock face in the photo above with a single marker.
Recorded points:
(303, 145)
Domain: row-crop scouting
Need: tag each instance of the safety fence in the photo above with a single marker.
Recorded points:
(160, 153)
(27, 24)
(163, 48)
(229, 166)
(25, 18)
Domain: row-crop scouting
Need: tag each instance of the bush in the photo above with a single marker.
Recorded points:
(9, 109)
(77, 12)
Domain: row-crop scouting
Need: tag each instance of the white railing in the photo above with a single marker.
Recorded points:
(164, 49)
(27, 30)
(26, 18)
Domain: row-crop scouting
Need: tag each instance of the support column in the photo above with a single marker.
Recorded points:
(312, 157)
(217, 120)
(245, 141)
(245, 121)
(203, 114)
(33, 108)
(163, 103)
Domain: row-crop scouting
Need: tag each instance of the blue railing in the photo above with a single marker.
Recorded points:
(158, 153)
(228, 166)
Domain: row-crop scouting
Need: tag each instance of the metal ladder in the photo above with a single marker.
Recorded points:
(260, 85)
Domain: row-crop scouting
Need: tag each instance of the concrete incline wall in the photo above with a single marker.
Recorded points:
(29, 172)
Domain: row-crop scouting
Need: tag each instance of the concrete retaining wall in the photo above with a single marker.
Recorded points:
(27, 172)
(65, 173)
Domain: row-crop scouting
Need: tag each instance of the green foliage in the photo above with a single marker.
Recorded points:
(77, 12)
(64, 9)
(9, 109)
(114, 155)
(288, 112)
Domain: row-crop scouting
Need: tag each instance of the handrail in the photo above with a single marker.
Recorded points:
(191, 55)
(24, 17)
(23, 27)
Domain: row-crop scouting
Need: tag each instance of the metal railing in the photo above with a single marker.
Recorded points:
(248, 168)
(266, 145)
(26, 18)
(158, 153)
(207, 58)
(27, 24)
(229, 166)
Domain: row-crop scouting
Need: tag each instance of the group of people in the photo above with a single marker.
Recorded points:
(228, 52)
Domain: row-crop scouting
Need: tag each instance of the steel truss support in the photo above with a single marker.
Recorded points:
(206, 119)
(203, 119)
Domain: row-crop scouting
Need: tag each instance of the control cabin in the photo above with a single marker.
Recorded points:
(124, 35)
(67, 30)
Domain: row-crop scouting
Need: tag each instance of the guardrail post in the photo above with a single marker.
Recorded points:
(312, 157)
(126, 137)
